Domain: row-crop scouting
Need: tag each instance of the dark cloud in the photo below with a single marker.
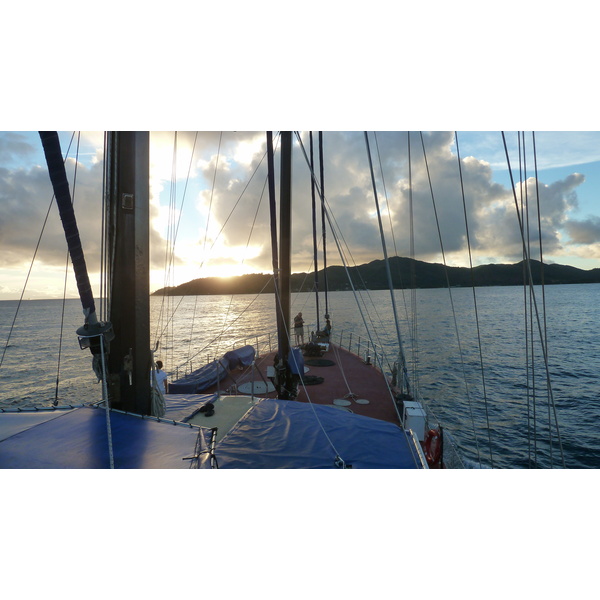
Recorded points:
(584, 232)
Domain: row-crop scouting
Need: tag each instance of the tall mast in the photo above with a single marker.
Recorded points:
(322, 177)
(285, 235)
(128, 236)
(314, 224)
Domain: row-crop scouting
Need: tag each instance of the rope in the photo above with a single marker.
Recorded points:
(107, 407)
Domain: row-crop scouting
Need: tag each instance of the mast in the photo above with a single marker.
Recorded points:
(285, 244)
(274, 244)
(127, 190)
(323, 222)
(282, 257)
(314, 224)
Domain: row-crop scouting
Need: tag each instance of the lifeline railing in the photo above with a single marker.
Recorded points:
(265, 343)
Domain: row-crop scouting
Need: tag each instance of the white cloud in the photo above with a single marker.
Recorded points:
(240, 179)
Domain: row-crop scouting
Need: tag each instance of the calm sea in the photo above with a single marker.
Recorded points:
(496, 410)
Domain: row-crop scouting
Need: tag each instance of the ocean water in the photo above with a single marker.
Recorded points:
(495, 410)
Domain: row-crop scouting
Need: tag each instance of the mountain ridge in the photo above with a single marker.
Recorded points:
(406, 273)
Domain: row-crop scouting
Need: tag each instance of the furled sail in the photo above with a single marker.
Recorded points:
(60, 185)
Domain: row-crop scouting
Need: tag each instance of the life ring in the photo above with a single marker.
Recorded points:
(433, 447)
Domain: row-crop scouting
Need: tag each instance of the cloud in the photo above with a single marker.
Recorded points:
(490, 206)
(14, 147)
(235, 162)
(584, 232)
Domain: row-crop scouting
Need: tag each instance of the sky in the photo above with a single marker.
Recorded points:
(455, 74)
(193, 194)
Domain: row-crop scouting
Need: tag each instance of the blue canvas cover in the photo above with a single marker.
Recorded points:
(12, 423)
(78, 440)
(199, 380)
(277, 434)
(241, 357)
(181, 407)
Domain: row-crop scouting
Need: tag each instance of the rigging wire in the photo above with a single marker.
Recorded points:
(37, 246)
(388, 272)
(172, 315)
(448, 286)
(539, 221)
(398, 272)
(226, 316)
(314, 232)
(62, 316)
(338, 235)
(483, 382)
(525, 253)
(170, 259)
(413, 277)
(535, 307)
(323, 224)
(415, 377)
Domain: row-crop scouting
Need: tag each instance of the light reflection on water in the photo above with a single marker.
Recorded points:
(208, 326)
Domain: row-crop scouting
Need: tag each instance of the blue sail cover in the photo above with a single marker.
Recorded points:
(78, 440)
(58, 177)
(241, 357)
(278, 434)
(181, 407)
(199, 380)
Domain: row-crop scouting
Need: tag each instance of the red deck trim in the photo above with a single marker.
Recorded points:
(365, 381)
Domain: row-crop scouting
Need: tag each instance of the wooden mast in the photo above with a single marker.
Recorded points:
(283, 267)
(129, 267)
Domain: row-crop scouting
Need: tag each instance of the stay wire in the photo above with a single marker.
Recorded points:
(449, 287)
(346, 258)
(37, 246)
(539, 218)
(64, 299)
(337, 235)
(387, 265)
(413, 277)
(319, 422)
(538, 320)
(258, 205)
(483, 382)
(172, 315)
(415, 379)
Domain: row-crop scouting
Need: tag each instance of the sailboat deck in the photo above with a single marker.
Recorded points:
(362, 386)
